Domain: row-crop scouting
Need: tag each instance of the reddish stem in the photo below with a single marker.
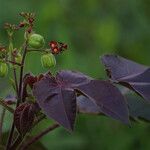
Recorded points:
(1, 123)
(14, 63)
(21, 74)
(37, 137)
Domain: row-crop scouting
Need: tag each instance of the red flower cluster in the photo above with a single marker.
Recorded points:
(57, 47)
(29, 19)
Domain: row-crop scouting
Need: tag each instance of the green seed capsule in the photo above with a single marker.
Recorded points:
(3, 69)
(48, 60)
(36, 41)
(18, 58)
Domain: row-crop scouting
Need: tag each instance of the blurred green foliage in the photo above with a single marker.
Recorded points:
(90, 28)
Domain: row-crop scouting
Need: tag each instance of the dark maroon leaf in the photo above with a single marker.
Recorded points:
(56, 100)
(108, 98)
(129, 74)
(29, 79)
(24, 117)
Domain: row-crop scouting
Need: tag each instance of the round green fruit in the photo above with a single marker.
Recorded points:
(48, 60)
(36, 41)
(3, 69)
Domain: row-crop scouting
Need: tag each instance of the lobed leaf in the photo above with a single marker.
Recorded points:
(108, 98)
(129, 74)
(57, 97)
(57, 101)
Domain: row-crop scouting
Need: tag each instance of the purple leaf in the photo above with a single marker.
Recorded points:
(108, 98)
(56, 100)
(129, 74)
(57, 97)
(120, 67)
(24, 117)
(86, 106)
(73, 78)
(138, 108)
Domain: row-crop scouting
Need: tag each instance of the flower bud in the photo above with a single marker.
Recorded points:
(3, 69)
(36, 41)
(48, 60)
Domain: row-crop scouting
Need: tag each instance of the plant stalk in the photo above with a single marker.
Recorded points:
(1, 123)
(21, 73)
(2, 102)
(16, 82)
(25, 145)
(12, 62)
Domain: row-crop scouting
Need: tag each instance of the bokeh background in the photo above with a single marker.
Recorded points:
(91, 28)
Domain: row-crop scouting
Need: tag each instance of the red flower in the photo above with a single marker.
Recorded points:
(57, 47)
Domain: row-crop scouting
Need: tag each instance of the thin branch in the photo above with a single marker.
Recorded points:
(38, 120)
(16, 82)
(3, 103)
(12, 62)
(25, 145)
(38, 50)
(1, 123)
(21, 73)
(10, 136)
